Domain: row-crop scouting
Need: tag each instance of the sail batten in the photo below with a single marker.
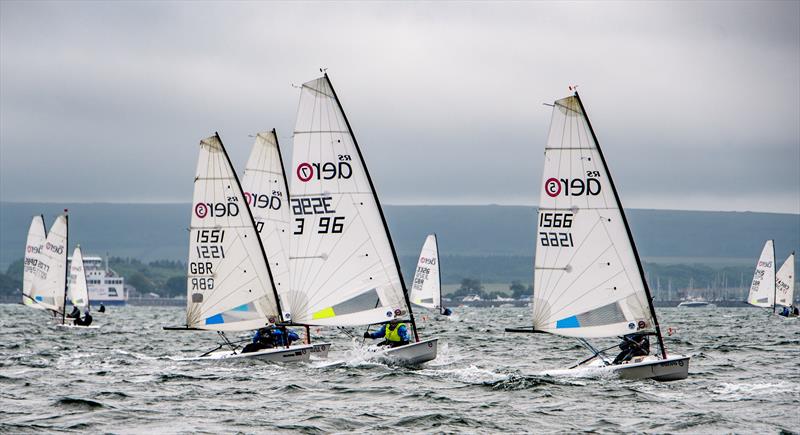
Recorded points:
(588, 280)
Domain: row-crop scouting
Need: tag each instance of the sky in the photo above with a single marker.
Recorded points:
(696, 104)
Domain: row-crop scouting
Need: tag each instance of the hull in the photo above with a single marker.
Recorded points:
(674, 368)
(70, 326)
(300, 353)
(320, 350)
(696, 304)
(414, 353)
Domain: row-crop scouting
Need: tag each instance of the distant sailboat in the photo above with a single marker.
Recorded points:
(762, 289)
(230, 286)
(345, 271)
(37, 236)
(426, 290)
(49, 287)
(784, 286)
(267, 195)
(588, 278)
(78, 291)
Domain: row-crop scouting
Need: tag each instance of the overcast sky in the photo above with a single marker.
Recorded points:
(696, 105)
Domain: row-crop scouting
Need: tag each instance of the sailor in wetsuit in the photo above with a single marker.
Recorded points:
(394, 334)
(87, 318)
(270, 337)
(75, 314)
(632, 345)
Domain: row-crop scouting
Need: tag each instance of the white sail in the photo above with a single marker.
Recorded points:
(48, 288)
(32, 266)
(229, 287)
(587, 280)
(78, 291)
(762, 290)
(784, 283)
(426, 290)
(343, 267)
(264, 185)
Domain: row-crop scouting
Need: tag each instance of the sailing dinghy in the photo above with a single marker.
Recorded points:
(426, 290)
(230, 286)
(588, 278)
(769, 288)
(344, 268)
(784, 286)
(32, 266)
(78, 291)
(267, 195)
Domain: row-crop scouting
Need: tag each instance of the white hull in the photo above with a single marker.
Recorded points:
(320, 350)
(300, 353)
(71, 326)
(673, 368)
(411, 354)
(696, 304)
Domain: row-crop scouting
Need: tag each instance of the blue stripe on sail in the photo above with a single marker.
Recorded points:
(245, 307)
(215, 319)
(569, 322)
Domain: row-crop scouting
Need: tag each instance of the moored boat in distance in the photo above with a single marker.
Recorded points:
(589, 281)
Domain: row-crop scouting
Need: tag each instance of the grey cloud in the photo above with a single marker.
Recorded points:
(107, 101)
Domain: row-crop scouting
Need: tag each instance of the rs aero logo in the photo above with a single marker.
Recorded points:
(324, 171)
(426, 260)
(589, 186)
(34, 249)
(216, 209)
(53, 248)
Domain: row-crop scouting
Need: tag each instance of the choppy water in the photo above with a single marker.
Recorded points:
(127, 377)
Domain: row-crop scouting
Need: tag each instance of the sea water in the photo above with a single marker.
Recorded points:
(130, 376)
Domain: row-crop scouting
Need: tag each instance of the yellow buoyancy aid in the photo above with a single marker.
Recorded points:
(393, 334)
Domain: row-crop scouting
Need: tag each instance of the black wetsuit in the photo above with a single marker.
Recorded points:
(75, 314)
(86, 321)
(632, 345)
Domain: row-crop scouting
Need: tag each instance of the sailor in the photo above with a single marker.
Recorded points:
(632, 345)
(87, 318)
(446, 311)
(284, 336)
(796, 311)
(394, 334)
(75, 314)
(262, 339)
(785, 311)
(102, 309)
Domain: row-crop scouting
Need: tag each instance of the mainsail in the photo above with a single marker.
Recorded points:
(266, 192)
(426, 290)
(50, 284)
(762, 290)
(344, 268)
(78, 291)
(784, 283)
(588, 279)
(229, 285)
(32, 266)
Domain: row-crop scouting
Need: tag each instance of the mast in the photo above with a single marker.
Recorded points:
(66, 273)
(253, 222)
(439, 266)
(627, 229)
(380, 209)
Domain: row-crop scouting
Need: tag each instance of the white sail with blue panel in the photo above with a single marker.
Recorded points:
(587, 281)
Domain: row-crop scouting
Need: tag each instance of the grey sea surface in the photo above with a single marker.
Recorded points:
(129, 376)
